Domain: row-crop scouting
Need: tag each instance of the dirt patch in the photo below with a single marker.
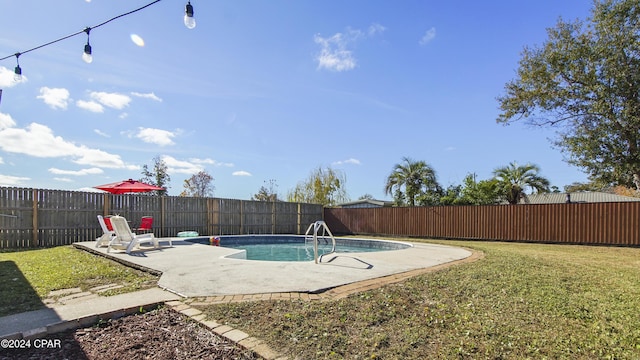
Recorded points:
(158, 334)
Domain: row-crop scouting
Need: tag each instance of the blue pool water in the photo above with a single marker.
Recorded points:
(294, 248)
(293, 251)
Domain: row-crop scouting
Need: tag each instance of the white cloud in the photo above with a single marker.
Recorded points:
(6, 121)
(210, 162)
(90, 106)
(335, 54)
(101, 133)
(56, 98)
(112, 100)
(241, 173)
(35, 140)
(428, 36)
(95, 157)
(192, 166)
(7, 78)
(62, 179)
(7, 180)
(376, 29)
(124, 115)
(155, 136)
(82, 172)
(202, 161)
(348, 161)
(39, 141)
(175, 166)
(151, 96)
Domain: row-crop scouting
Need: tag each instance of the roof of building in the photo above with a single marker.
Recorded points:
(576, 197)
(367, 202)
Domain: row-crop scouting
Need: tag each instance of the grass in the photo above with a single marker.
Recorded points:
(29, 276)
(520, 301)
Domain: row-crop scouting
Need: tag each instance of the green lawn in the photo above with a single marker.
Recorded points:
(29, 276)
(520, 301)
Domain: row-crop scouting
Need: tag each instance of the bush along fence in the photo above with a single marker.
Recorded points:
(31, 218)
(616, 224)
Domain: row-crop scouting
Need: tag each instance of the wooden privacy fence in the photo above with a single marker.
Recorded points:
(579, 223)
(40, 218)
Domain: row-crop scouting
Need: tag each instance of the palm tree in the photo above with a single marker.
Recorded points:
(514, 179)
(416, 177)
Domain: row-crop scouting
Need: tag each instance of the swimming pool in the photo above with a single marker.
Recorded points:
(294, 247)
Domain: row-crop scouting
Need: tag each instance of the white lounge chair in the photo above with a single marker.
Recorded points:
(125, 239)
(107, 232)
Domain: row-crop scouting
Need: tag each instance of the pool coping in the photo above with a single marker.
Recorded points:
(196, 270)
(238, 243)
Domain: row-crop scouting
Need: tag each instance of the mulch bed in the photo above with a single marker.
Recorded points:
(158, 334)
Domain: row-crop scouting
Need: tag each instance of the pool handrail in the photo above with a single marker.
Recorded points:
(325, 229)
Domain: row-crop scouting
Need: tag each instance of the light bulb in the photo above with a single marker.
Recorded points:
(189, 21)
(17, 74)
(86, 55)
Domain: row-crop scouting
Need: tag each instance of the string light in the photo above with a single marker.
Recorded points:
(86, 55)
(17, 72)
(189, 21)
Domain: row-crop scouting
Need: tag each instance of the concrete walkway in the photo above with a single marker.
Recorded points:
(82, 311)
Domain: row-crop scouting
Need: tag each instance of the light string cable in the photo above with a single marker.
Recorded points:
(83, 31)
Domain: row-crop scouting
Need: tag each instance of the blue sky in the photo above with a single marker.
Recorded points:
(268, 90)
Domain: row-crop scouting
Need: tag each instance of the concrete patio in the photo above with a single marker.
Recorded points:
(190, 269)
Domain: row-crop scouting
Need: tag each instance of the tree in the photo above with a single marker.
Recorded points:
(323, 186)
(451, 196)
(483, 192)
(514, 179)
(624, 191)
(473, 192)
(267, 193)
(585, 81)
(198, 185)
(588, 186)
(417, 178)
(158, 176)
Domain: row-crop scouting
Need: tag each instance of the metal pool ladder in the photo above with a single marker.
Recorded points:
(316, 227)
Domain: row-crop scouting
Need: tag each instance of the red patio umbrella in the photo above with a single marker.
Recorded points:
(128, 186)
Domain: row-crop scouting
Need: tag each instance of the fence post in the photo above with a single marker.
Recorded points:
(162, 216)
(241, 218)
(34, 218)
(299, 219)
(273, 217)
(208, 216)
(105, 204)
